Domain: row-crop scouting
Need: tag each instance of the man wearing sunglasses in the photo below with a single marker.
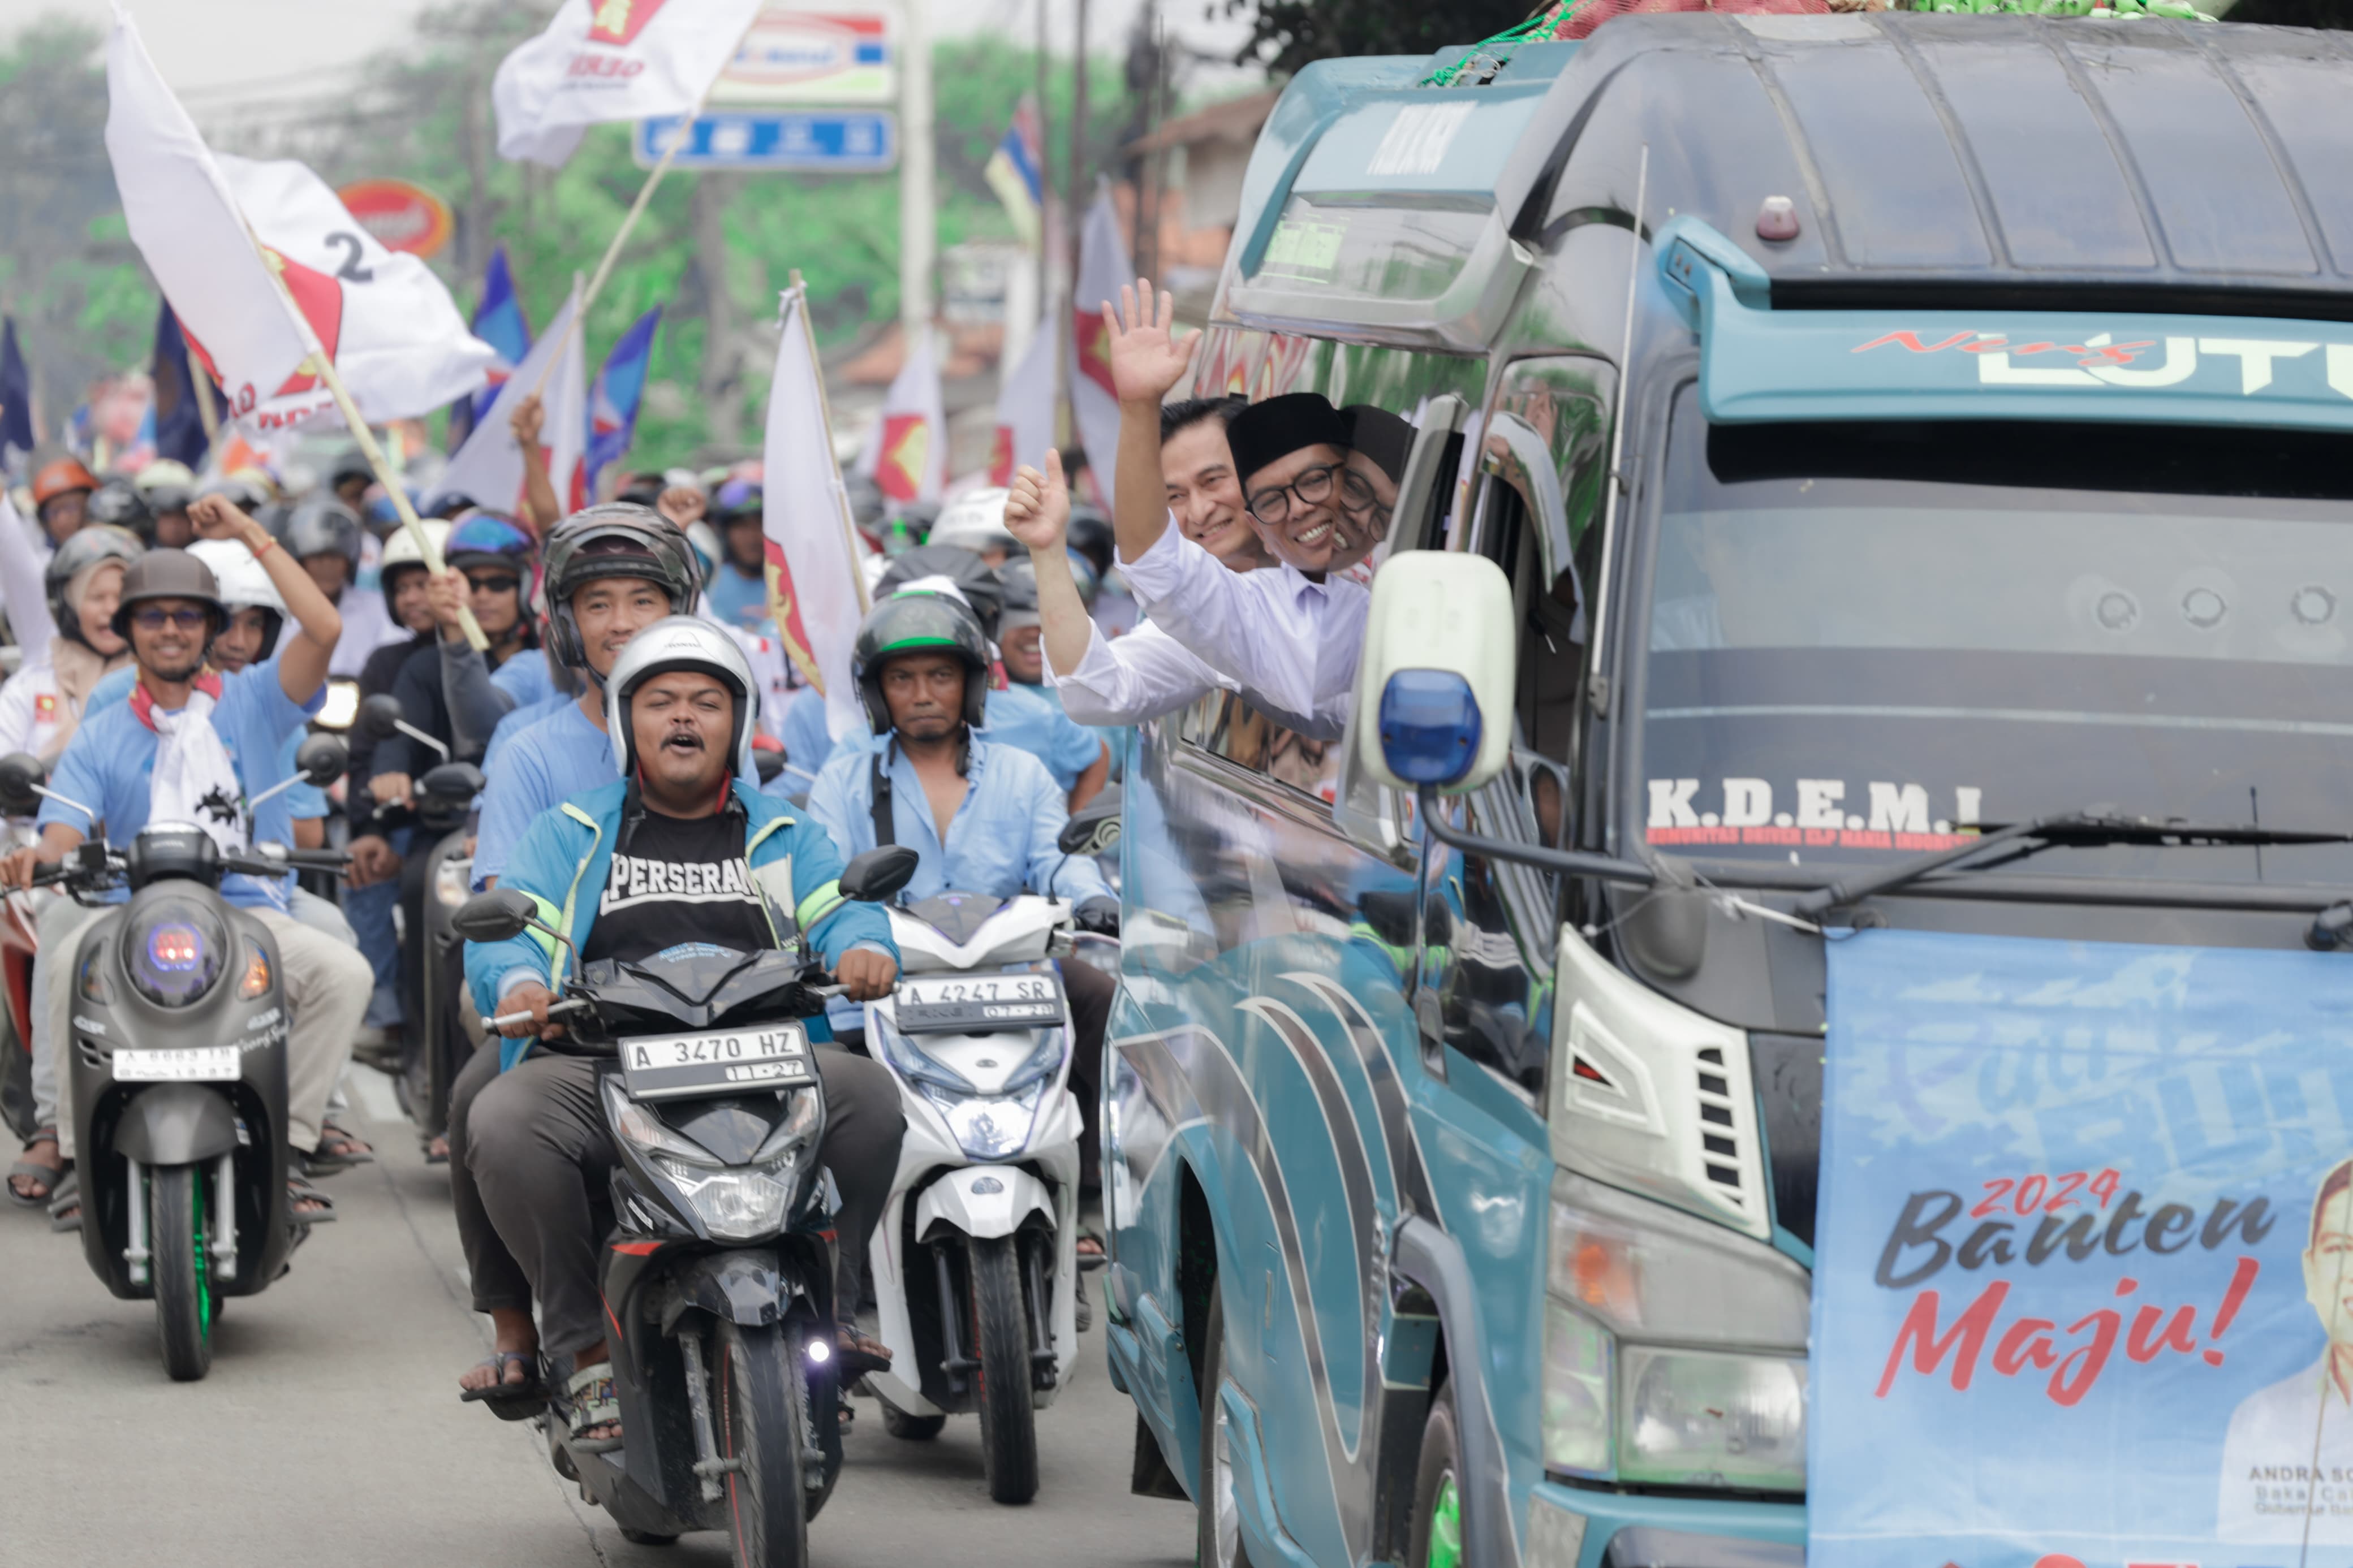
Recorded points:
(191, 745)
(1288, 635)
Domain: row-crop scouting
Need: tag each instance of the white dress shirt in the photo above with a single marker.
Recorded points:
(1293, 643)
(2284, 1454)
(1141, 676)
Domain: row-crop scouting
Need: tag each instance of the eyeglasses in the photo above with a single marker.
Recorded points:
(494, 584)
(1310, 487)
(187, 618)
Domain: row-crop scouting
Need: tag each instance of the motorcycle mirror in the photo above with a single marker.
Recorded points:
(323, 759)
(1093, 827)
(770, 763)
(498, 915)
(452, 781)
(20, 773)
(380, 716)
(879, 874)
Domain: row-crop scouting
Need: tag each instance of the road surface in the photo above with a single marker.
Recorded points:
(330, 1429)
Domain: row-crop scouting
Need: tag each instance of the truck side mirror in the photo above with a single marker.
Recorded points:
(1434, 685)
(322, 759)
(21, 775)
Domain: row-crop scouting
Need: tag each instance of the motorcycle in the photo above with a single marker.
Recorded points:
(434, 881)
(178, 1057)
(975, 1273)
(718, 1273)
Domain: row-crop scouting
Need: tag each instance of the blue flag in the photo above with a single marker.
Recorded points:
(613, 401)
(179, 423)
(16, 393)
(498, 321)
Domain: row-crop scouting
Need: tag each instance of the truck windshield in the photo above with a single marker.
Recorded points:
(1865, 640)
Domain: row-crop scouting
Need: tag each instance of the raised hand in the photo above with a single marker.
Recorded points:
(1038, 507)
(527, 420)
(218, 517)
(1146, 359)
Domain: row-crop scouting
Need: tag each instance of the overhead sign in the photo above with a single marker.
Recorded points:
(829, 141)
(834, 55)
(401, 216)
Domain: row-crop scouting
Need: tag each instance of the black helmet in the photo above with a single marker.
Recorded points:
(115, 502)
(169, 575)
(1021, 580)
(612, 539)
(866, 499)
(351, 463)
(80, 551)
(321, 525)
(1091, 535)
(969, 572)
(905, 623)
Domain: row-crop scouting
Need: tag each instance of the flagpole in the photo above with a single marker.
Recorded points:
(824, 410)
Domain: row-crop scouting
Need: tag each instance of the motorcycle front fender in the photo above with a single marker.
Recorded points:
(176, 1125)
(982, 1201)
(746, 1287)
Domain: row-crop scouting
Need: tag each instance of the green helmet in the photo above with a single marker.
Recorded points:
(911, 622)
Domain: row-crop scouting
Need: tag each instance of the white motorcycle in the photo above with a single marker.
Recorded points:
(975, 1266)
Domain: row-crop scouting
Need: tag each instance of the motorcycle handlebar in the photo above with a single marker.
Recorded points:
(554, 1009)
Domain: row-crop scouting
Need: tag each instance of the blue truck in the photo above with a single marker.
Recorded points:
(1888, 431)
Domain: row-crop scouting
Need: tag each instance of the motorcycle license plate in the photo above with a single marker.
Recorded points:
(721, 1061)
(205, 1064)
(973, 1003)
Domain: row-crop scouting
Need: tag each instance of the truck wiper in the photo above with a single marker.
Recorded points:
(2038, 834)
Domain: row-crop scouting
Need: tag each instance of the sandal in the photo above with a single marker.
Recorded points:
(436, 1152)
(29, 1170)
(337, 1151)
(517, 1400)
(1087, 1252)
(589, 1394)
(321, 1209)
(859, 1353)
(65, 1203)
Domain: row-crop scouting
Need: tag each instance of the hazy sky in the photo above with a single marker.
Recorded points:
(223, 52)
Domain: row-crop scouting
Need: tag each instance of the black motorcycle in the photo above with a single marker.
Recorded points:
(178, 1055)
(718, 1272)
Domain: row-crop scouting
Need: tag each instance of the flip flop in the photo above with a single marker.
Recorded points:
(299, 1191)
(590, 1398)
(511, 1401)
(64, 1197)
(856, 1354)
(51, 1176)
(326, 1159)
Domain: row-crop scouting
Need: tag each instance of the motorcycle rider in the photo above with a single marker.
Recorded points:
(329, 541)
(493, 566)
(60, 499)
(186, 745)
(739, 582)
(677, 850)
(982, 816)
(167, 487)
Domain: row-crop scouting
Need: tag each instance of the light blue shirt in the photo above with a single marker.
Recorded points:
(539, 768)
(808, 745)
(110, 765)
(1025, 717)
(1000, 841)
(518, 719)
(306, 802)
(737, 599)
(526, 678)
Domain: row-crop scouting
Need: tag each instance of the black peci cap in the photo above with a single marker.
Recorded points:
(1266, 433)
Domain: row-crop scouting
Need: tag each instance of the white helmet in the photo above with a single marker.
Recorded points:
(245, 584)
(400, 550)
(678, 642)
(976, 521)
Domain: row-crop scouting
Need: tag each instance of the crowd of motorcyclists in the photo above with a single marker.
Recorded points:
(653, 770)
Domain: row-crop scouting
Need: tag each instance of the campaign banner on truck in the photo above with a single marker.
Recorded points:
(2084, 1282)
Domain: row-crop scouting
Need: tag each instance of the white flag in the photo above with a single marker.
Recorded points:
(906, 449)
(391, 328)
(815, 586)
(1025, 408)
(488, 466)
(1103, 265)
(614, 59)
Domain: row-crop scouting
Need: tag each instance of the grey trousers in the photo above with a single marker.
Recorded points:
(539, 1154)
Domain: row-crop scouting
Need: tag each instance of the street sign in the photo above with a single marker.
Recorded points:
(402, 216)
(823, 55)
(824, 141)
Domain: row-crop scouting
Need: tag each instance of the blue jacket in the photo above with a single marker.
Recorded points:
(794, 863)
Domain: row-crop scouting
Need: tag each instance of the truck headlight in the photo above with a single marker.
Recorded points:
(1674, 1349)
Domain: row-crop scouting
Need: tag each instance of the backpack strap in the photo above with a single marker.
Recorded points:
(879, 787)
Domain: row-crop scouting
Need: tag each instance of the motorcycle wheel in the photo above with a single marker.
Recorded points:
(761, 1424)
(1008, 1422)
(911, 1428)
(182, 1269)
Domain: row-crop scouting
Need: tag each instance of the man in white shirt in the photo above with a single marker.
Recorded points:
(2290, 1446)
(1290, 635)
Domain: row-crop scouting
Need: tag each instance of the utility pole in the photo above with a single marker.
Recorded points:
(918, 233)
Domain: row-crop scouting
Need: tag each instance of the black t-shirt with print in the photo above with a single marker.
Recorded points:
(679, 879)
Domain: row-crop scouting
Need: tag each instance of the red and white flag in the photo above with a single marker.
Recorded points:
(1103, 265)
(488, 466)
(906, 454)
(815, 589)
(1025, 408)
(386, 322)
(612, 59)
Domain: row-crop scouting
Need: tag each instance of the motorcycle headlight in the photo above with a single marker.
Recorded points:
(255, 979)
(733, 1206)
(740, 1203)
(1042, 1065)
(912, 1063)
(989, 1128)
(174, 952)
(1674, 1349)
